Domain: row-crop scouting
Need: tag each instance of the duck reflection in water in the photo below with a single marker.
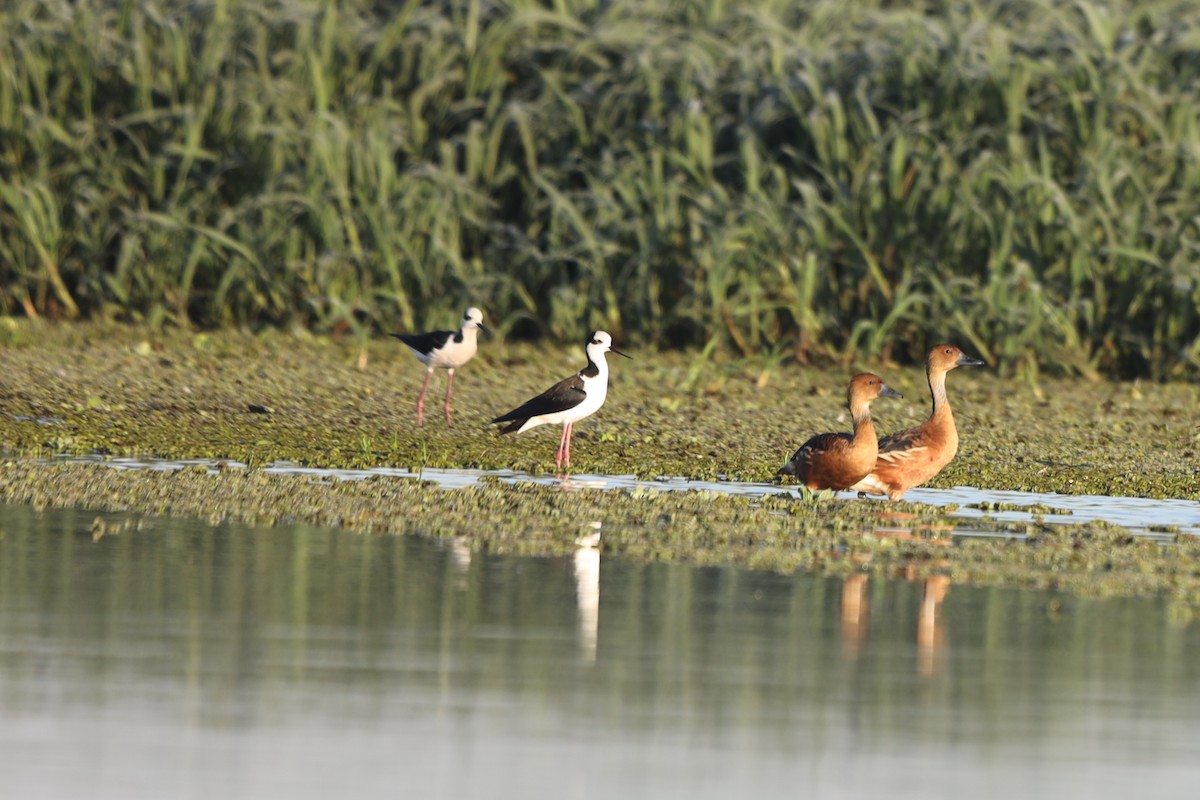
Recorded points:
(856, 615)
(930, 635)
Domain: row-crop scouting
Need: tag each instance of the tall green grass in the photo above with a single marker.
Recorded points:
(835, 180)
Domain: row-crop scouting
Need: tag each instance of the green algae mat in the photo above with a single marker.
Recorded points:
(349, 403)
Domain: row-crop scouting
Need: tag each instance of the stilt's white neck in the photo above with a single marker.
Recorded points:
(597, 365)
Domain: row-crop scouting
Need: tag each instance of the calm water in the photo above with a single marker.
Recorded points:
(186, 661)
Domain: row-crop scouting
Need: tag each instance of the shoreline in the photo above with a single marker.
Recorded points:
(127, 391)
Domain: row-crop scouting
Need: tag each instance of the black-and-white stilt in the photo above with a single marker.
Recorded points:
(567, 401)
(446, 350)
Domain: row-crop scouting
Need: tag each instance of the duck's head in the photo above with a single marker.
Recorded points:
(945, 357)
(866, 387)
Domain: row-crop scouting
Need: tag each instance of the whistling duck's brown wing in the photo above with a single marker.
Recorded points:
(830, 461)
(911, 439)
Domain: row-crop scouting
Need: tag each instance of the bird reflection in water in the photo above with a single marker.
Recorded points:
(460, 557)
(587, 591)
(856, 615)
(930, 635)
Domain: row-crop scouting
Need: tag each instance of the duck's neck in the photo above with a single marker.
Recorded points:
(941, 403)
(864, 429)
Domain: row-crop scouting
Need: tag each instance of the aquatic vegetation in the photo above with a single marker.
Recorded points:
(275, 396)
(1035, 508)
(808, 181)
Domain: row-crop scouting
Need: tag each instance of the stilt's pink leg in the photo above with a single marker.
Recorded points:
(558, 454)
(570, 430)
(421, 397)
(449, 386)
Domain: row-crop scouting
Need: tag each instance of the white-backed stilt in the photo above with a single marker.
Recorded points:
(446, 350)
(567, 401)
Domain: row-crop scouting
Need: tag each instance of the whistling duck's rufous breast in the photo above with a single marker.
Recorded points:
(839, 460)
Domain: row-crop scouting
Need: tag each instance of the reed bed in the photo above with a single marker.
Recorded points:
(817, 180)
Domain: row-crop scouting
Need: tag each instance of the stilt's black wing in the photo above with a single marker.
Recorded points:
(425, 342)
(561, 396)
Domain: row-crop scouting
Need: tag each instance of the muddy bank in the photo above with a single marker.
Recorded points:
(350, 403)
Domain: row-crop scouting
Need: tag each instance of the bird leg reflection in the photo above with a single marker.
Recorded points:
(856, 615)
(931, 637)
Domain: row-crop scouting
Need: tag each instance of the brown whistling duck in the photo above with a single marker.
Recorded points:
(911, 457)
(840, 460)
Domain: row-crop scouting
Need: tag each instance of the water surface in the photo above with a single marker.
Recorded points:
(179, 660)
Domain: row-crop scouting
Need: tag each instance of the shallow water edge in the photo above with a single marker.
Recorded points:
(1155, 518)
(348, 403)
(761, 527)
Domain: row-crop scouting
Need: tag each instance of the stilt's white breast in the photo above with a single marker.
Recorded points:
(453, 354)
